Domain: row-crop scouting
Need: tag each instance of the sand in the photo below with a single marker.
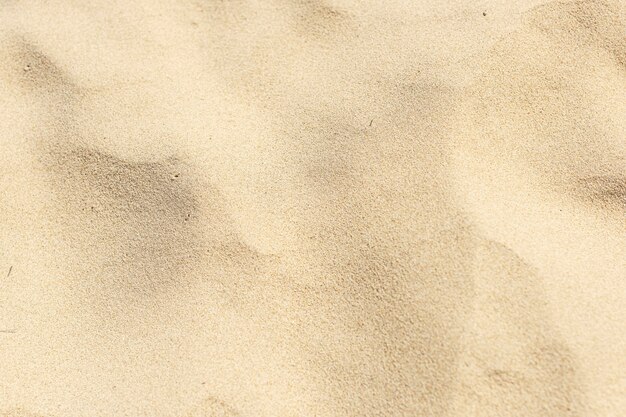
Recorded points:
(312, 208)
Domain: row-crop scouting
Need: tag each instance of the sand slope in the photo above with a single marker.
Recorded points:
(312, 208)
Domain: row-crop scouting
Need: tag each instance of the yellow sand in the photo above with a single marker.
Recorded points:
(312, 208)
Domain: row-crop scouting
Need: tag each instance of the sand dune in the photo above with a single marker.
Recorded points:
(312, 208)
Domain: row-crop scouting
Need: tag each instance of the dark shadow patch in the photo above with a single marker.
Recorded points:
(33, 71)
(133, 227)
(602, 191)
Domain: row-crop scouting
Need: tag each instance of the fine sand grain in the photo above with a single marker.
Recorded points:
(330, 208)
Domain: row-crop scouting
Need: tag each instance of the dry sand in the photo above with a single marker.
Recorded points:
(294, 208)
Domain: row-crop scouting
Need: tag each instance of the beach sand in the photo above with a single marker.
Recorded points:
(329, 208)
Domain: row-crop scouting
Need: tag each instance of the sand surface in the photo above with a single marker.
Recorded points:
(312, 208)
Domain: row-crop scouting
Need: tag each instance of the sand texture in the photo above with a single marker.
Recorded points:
(312, 208)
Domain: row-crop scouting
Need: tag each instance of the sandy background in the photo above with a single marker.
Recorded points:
(294, 208)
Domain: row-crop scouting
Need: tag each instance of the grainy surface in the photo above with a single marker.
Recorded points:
(312, 208)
